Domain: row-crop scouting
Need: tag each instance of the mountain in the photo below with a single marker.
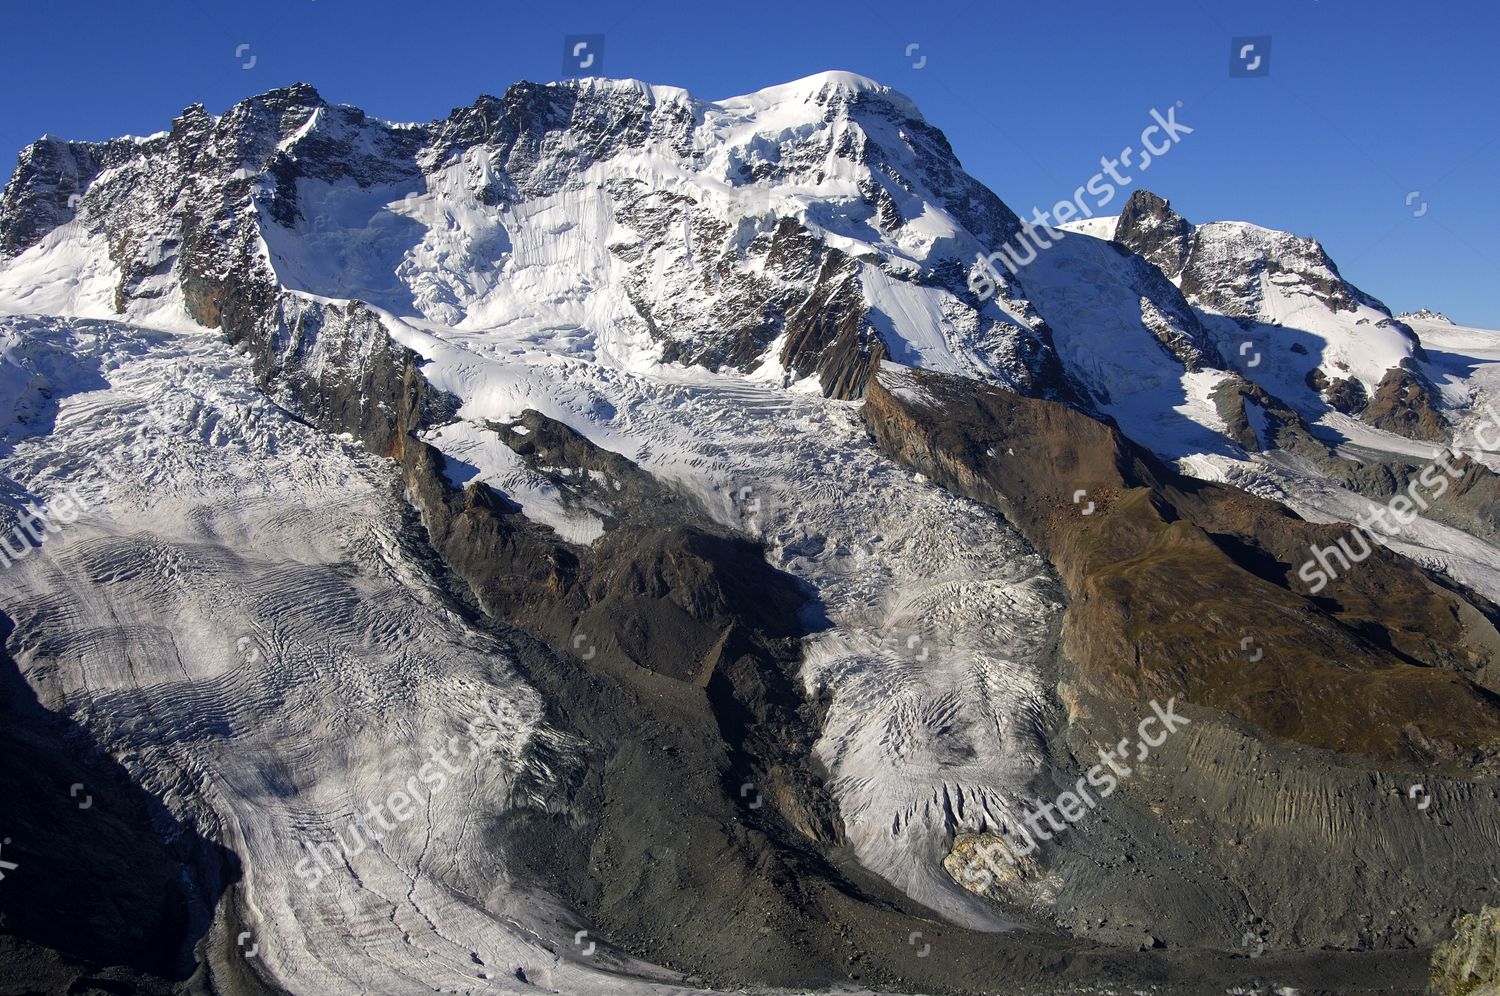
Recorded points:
(1345, 350)
(600, 541)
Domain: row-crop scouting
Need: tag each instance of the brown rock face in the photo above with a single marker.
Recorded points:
(663, 602)
(1347, 395)
(1403, 404)
(1168, 575)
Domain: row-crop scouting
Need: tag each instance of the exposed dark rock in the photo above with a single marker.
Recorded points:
(1404, 403)
(827, 334)
(1174, 323)
(1470, 501)
(49, 175)
(1148, 227)
(599, 480)
(1347, 395)
(512, 564)
(1261, 422)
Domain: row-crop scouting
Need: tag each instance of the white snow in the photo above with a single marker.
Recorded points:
(1102, 227)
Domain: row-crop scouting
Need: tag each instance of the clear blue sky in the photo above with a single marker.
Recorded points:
(1366, 101)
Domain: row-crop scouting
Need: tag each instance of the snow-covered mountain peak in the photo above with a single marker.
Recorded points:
(1224, 264)
(654, 92)
(1424, 315)
(800, 232)
(1264, 291)
(831, 88)
(608, 218)
(1154, 231)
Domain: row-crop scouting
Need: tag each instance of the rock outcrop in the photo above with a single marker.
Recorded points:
(1156, 556)
(1307, 711)
(1265, 280)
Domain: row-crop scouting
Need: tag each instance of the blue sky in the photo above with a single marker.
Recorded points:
(1367, 101)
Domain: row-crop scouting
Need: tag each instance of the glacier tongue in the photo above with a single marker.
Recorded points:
(921, 741)
(236, 620)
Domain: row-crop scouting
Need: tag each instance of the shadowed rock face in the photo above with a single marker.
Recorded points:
(51, 175)
(111, 892)
(1282, 428)
(1150, 228)
(828, 334)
